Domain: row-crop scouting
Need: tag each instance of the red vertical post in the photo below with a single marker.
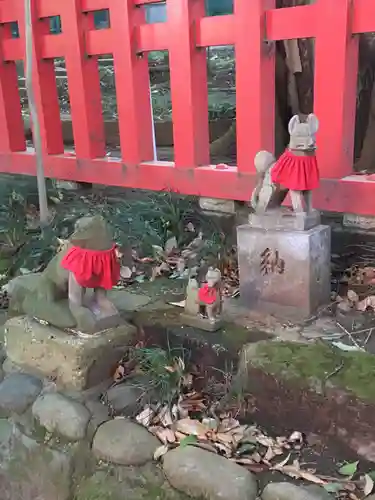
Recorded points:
(44, 85)
(255, 82)
(132, 84)
(336, 72)
(12, 136)
(188, 69)
(83, 82)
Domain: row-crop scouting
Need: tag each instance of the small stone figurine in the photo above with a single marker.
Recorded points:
(203, 305)
(89, 260)
(296, 170)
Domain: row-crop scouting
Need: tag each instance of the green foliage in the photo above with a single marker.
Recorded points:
(164, 368)
(142, 221)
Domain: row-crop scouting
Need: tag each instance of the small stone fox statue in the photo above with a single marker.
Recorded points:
(296, 170)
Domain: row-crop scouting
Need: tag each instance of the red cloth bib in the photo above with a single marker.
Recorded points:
(207, 295)
(93, 268)
(297, 173)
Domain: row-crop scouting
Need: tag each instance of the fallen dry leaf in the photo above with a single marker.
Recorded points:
(369, 485)
(269, 455)
(189, 426)
(165, 435)
(367, 303)
(211, 423)
(161, 451)
(223, 438)
(265, 441)
(159, 270)
(297, 473)
(227, 424)
(165, 416)
(352, 296)
(187, 380)
(171, 245)
(126, 272)
(283, 463)
(119, 373)
(145, 417)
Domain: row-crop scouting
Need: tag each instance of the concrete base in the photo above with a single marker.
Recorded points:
(217, 206)
(284, 273)
(72, 362)
(200, 323)
(284, 219)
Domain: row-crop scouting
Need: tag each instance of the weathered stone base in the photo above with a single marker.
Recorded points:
(285, 219)
(201, 323)
(314, 388)
(72, 362)
(300, 280)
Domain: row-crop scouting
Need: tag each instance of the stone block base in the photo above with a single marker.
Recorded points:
(285, 220)
(74, 363)
(284, 273)
(201, 323)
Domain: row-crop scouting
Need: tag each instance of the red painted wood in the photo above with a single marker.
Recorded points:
(132, 84)
(332, 22)
(216, 31)
(44, 84)
(337, 195)
(12, 137)
(188, 70)
(83, 82)
(363, 16)
(336, 69)
(298, 22)
(255, 82)
(10, 10)
(99, 42)
(12, 50)
(152, 37)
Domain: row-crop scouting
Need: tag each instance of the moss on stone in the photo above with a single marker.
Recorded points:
(353, 371)
(133, 483)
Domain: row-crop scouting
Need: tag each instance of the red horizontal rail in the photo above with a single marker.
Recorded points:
(152, 37)
(363, 16)
(213, 31)
(355, 194)
(289, 23)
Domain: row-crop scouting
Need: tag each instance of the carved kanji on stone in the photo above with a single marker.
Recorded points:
(271, 262)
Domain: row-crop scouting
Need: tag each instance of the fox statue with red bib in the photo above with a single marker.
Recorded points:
(89, 260)
(296, 171)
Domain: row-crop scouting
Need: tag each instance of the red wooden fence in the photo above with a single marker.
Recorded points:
(334, 24)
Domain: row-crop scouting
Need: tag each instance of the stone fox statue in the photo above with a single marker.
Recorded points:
(295, 171)
(88, 260)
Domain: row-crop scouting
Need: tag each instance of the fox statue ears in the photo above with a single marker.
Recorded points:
(312, 121)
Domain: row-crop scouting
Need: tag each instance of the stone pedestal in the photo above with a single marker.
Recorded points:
(74, 363)
(205, 324)
(284, 272)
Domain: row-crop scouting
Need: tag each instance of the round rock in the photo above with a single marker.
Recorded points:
(201, 474)
(99, 415)
(17, 392)
(124, 399)
(61, 415)
(288, 491)
(123, 442)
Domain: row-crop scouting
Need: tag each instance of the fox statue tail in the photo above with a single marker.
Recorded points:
(263, 162)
